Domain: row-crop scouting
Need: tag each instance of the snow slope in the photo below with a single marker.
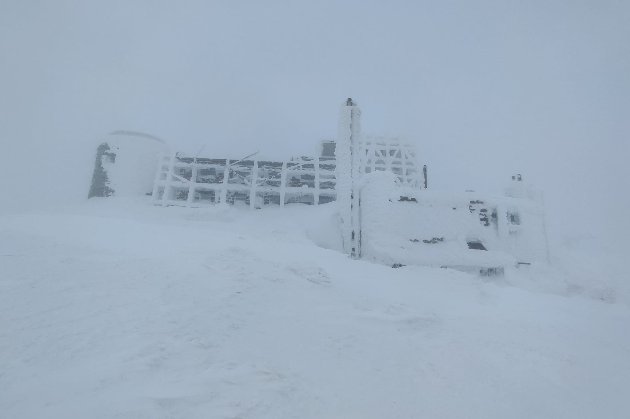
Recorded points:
(117, 309)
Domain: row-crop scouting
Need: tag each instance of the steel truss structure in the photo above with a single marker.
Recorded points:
(380, 153)
(197, 181)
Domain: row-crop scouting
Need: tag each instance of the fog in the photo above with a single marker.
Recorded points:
(485, 89)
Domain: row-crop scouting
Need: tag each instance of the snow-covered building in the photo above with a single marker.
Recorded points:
(388, 215)
(466, 231)
(125, 164)
(386, 211)
(313, 180)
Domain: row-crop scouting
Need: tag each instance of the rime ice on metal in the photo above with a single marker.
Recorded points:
(196, 181)
(348, 173)
(199, 181)
(385, 210)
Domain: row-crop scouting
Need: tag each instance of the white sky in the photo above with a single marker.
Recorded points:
(485, 88)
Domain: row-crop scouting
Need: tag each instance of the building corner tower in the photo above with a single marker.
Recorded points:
(347, 174)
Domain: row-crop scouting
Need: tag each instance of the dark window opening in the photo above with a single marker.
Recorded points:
(476, 245)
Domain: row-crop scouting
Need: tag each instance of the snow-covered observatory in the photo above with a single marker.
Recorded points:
(466, 231)
(387, 212)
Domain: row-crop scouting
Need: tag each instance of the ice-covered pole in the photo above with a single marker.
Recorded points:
(347, 174)
(424, 174)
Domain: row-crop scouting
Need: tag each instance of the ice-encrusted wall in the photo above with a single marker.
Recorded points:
(125, 164)
(467, 231)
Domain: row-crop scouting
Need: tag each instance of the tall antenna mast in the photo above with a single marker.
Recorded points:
(347, 174)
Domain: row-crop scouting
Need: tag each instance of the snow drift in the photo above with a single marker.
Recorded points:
(116, 308)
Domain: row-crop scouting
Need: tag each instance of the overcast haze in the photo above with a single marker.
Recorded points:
(483, 88)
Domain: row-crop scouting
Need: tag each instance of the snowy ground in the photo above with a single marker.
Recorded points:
(117, 309)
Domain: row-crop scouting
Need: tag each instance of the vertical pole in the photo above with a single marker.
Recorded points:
(193, 182)
(424, 172)
(355, 207)
(226, 176)
(403, 164)
(373, 154)
(167, 182)
(252, 191)
(157, 181)
(283, 182)
(316, 191)
(347, 174)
